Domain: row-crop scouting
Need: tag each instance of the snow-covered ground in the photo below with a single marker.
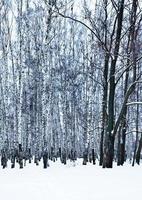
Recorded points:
(59, 182)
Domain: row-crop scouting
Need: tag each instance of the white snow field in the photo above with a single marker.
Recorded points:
(69, 182)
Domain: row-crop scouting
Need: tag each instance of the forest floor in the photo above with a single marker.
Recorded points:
(69, 182)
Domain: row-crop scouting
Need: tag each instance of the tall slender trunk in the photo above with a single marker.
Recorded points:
(137, 133)
(104, 108)
(138, 153)
(109, 134)
(105, 87)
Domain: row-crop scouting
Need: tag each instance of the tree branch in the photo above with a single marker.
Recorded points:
(128, 93)
(129, 66)
(134, 103)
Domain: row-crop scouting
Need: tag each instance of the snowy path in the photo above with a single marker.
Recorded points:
(60, 182)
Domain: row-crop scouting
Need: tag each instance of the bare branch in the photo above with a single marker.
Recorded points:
(128, 67)
(128, 93)
(134, 103)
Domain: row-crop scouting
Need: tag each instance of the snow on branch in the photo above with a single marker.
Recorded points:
(134, 103)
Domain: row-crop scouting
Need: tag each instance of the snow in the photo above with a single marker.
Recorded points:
(134, 103)
(69, 182)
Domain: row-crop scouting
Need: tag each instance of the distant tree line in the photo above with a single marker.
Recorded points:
(70, 81)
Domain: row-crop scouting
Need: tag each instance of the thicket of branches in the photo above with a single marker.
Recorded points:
(70, 81)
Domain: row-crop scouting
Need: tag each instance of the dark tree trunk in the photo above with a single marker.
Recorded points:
(85, 157)
(105, 89)
(93, 157)
(20, 156)
(109, 153)
(121, 148)
(45, 160)
(110, 134)
(4, 160)
(64, 157)
(138, 154)
(135, 150)
(13, 159)
(36, 161)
